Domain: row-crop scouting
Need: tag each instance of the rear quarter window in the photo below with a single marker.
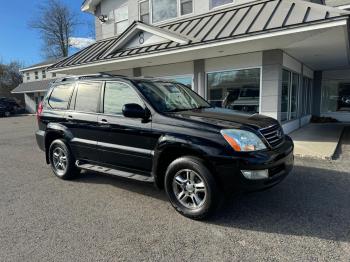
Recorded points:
(59, 98)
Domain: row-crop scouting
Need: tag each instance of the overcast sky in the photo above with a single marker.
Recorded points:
(18, 41)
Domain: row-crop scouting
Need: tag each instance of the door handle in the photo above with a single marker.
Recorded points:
(104, 121)
(69, 117)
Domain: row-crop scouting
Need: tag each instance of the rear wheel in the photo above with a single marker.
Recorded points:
(62, 160)
(191, 188)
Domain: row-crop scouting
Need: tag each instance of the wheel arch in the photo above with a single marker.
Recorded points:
(53, 132)
(167, 154)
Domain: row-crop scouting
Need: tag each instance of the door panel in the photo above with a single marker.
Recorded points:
(126, 142)
(85, 131)
(82, 120)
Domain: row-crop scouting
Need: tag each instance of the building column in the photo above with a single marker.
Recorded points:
(316, 93)
(199, 77)
(271, 83)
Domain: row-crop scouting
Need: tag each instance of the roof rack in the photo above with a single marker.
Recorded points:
(100, 74)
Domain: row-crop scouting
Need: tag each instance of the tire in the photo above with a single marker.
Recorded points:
(191, 188)
(62, 160)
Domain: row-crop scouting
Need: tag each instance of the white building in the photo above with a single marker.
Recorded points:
(36, 80)
(288, 59)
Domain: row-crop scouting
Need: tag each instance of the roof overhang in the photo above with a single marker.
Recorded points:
(35, 67)
(319, 45)
(89, 5)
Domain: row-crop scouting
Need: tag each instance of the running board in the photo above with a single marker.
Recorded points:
(114, 172)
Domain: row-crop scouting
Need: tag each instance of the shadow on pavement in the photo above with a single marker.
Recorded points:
(311, 202)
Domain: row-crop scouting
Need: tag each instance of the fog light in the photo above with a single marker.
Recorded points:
(256, 174)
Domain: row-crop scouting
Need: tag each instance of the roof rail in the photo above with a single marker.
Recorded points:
(73, 77)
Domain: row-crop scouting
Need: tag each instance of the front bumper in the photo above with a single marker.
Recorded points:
(279, 162)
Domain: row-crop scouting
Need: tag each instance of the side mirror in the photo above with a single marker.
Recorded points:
(134, 111)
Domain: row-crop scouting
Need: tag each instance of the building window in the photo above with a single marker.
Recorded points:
(336, 95)
(237, 89)
(53, 75)
(28, 76)
(36, 75)
(162, 10)
(144, 11)
(43, 74)
(186, 7)
(121, 19)
(215, 3)
(289, 99)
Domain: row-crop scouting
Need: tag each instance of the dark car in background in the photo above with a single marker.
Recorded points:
(9, 106)
(160, 131)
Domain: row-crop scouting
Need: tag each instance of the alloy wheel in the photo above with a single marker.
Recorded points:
(189, 189)
(59, 158)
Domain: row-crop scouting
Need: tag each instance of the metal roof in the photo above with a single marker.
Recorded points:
(235, 22)
(32, 87)
(41, 64)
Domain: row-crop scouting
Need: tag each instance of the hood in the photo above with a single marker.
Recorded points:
(225, 118)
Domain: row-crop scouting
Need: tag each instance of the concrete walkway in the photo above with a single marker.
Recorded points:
(317, 140)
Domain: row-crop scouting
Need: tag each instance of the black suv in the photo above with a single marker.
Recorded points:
(160, 131)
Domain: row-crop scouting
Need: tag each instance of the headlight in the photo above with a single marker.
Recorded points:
(241, 140)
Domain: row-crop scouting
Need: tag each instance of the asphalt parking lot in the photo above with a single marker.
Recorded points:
(101, 218)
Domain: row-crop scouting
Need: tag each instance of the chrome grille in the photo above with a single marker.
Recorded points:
(273, 134)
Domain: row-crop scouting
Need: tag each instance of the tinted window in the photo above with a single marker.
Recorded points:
(88, 96)
(117, 95)
(60, 96)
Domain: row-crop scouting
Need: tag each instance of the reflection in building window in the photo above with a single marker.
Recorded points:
(236, 89)
(289, 99)
(336, 95)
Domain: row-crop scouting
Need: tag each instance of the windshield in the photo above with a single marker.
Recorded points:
(171, 96)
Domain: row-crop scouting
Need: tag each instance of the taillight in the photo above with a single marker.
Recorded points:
(40, 110)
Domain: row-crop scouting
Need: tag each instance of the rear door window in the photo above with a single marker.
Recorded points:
(117, 94)
(88, 97)
(60, 96)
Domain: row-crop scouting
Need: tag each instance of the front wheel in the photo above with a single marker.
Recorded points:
(62, 160)
(191, 188)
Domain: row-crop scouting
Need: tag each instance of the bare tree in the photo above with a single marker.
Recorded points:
(56, 24)
(9, 74)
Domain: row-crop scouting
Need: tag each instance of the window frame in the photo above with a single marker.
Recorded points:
(102, 98)
(211, 7)
(150, 10)
(289, 106)
(43, 74)
(120, 21)
(27, 76)
(36, 75)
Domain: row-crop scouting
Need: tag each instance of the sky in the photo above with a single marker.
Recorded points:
(18, 41)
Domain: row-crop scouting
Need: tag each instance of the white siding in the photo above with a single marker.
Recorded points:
(240, 61)
(176, 69)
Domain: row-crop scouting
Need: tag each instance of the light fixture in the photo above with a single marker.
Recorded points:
(103, 18)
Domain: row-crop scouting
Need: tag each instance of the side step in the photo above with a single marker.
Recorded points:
(114, 172)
